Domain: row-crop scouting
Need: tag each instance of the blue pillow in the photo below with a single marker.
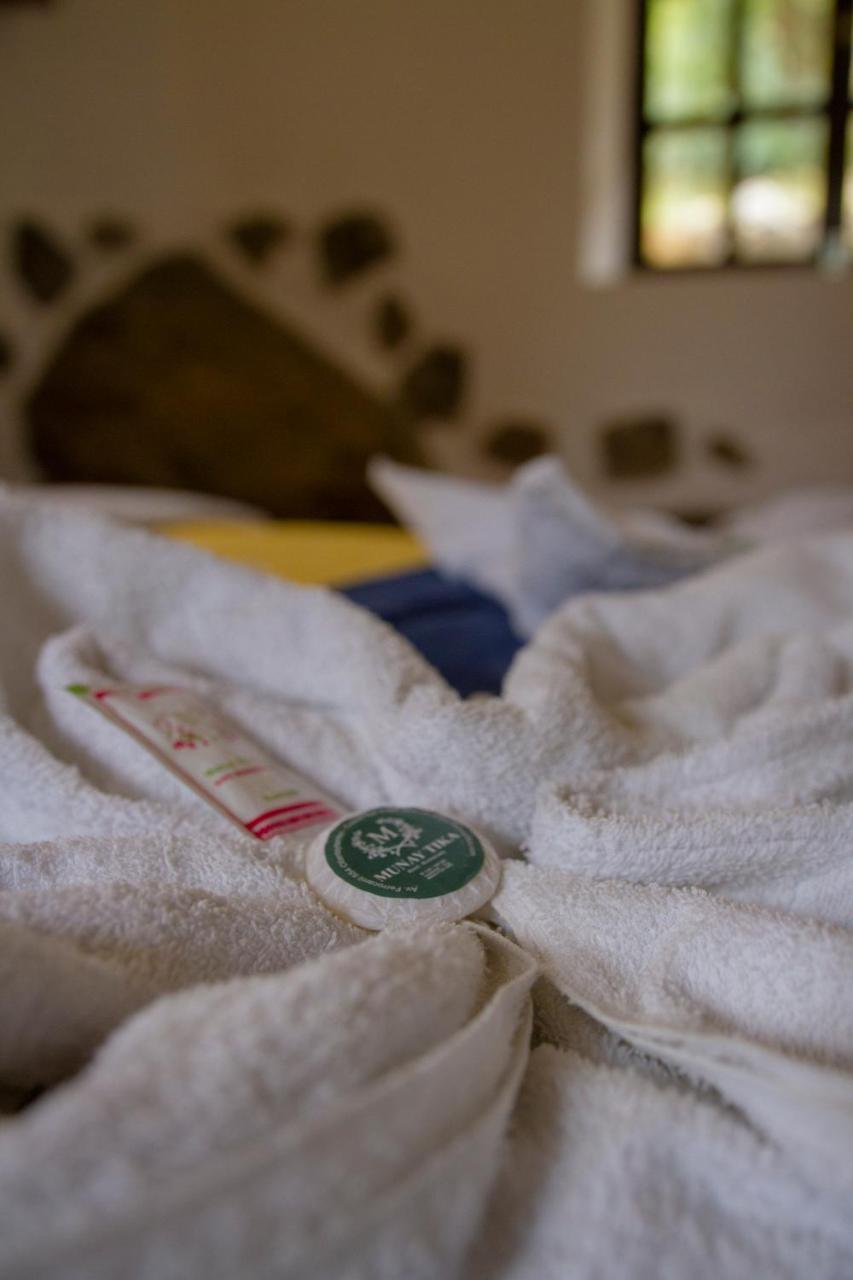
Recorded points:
(464, 634)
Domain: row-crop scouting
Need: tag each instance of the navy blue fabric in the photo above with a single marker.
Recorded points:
(464, 634)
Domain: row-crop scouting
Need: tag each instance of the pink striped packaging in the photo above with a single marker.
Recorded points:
(213, 757)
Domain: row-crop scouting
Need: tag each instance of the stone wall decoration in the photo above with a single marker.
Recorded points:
(111, 234)
(434, 386)
(640, 448)
(41, 264)
(351, 244)
(516, 442)
(392, 323)
(728, 451)
(179, 382)
(258, 236)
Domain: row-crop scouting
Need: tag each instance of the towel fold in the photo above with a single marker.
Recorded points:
(610, 1174)
(263, 1127)
(79, 959)
(539, 540)
(756, 1003)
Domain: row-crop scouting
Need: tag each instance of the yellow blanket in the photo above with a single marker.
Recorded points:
(306, 551)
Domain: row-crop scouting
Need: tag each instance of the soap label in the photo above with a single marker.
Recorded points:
(404, 853)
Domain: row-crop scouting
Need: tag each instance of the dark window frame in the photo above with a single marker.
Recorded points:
(835, 110)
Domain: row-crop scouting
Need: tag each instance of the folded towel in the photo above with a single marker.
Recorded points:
(248, 1085)
(539, 540)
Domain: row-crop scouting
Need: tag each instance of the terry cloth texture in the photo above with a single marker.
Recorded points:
(206, 1073)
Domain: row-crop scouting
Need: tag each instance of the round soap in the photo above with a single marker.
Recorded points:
(393, 866)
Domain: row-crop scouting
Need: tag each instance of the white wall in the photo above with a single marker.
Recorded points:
(470, 123)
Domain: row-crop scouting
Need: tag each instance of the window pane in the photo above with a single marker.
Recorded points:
(786, 53)
(683, 219)
(687, 57)
(778, 204)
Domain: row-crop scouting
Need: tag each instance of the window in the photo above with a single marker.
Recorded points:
(744, 150)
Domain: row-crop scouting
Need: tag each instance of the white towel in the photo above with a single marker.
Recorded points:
(253, 1087)
(722, 711)
(264, 1127)
(138, 504)
(611, 1174)
(539, 540)
(756, 1003)
(85, 947)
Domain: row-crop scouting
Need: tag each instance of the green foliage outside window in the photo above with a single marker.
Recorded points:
(744, 109)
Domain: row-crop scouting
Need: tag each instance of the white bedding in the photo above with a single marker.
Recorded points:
(249, 1086)
(138, 504)
(539, 540)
